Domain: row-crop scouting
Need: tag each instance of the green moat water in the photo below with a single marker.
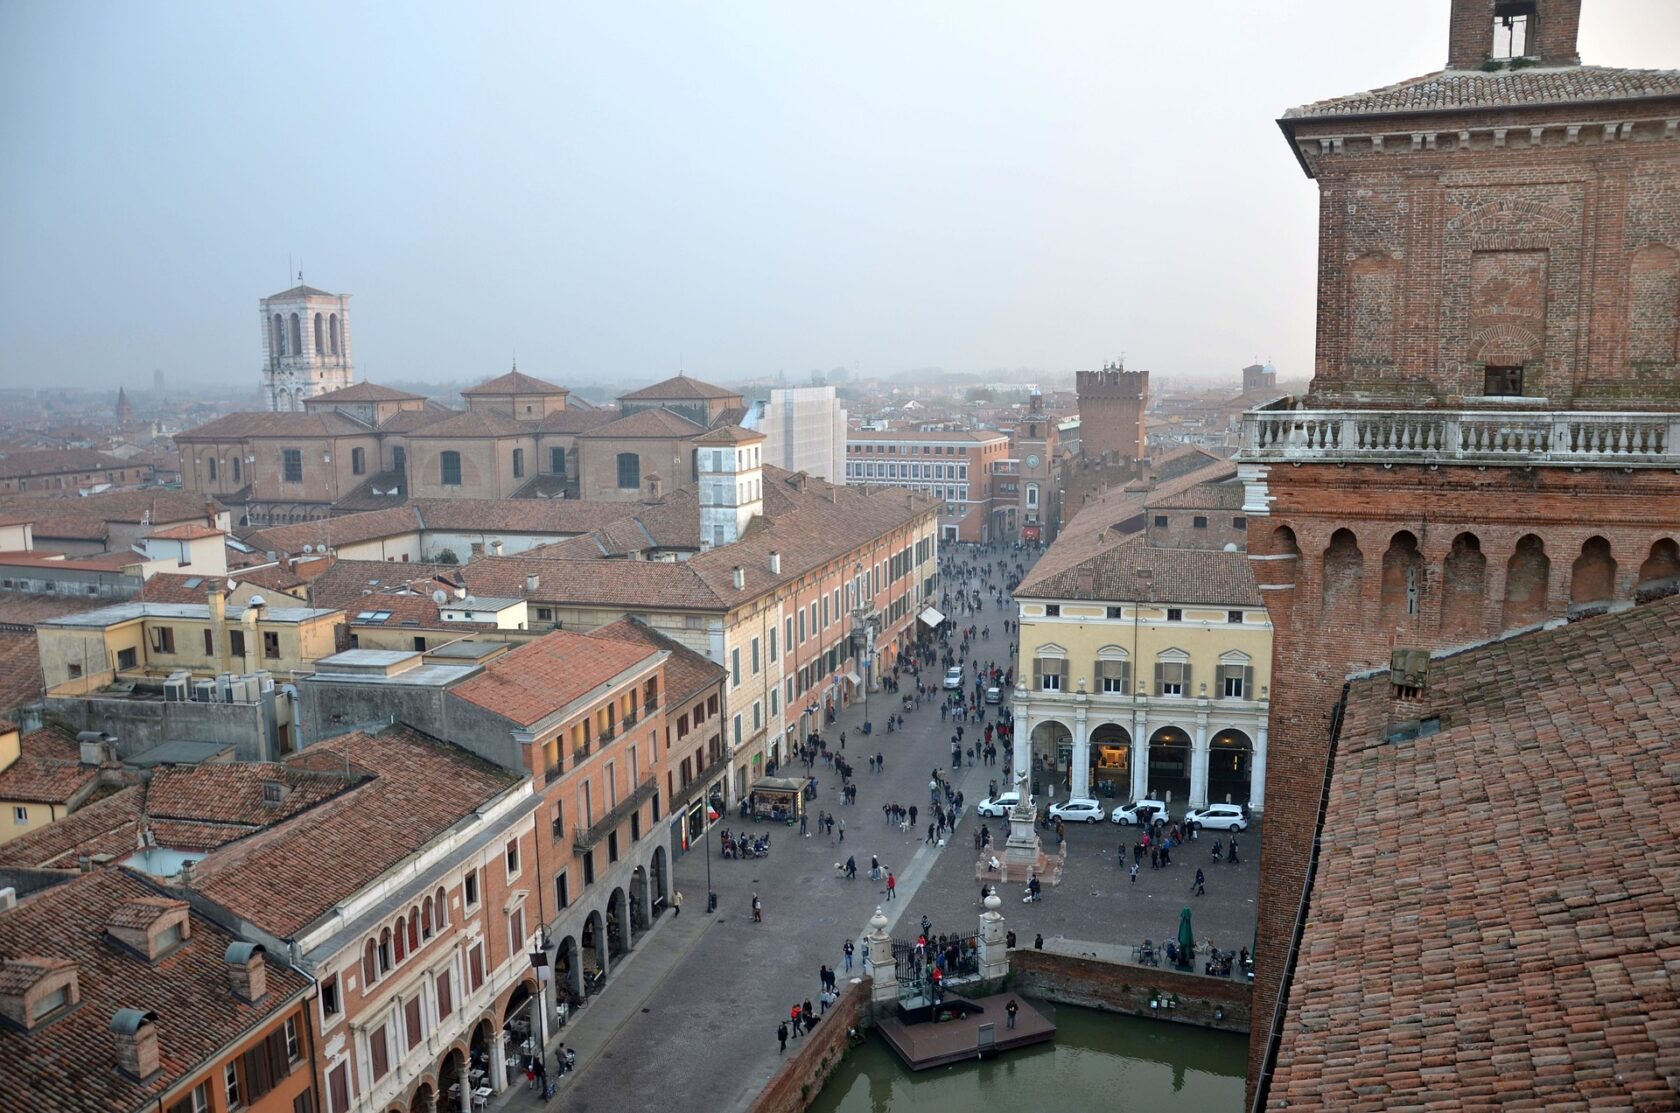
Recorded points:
(1099, 1061)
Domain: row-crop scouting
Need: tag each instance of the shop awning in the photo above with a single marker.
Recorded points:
(855, 678)
(931, 617)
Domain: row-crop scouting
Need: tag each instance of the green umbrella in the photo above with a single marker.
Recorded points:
(1186, 939)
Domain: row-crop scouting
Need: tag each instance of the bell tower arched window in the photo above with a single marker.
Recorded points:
(296, 347)
(320, 335)
(334, 336)
(279, 336)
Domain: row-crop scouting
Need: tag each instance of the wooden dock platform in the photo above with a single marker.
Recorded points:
(937, 1043)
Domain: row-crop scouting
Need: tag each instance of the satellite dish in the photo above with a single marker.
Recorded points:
(440, 596)
(469, 600)
(309, 548)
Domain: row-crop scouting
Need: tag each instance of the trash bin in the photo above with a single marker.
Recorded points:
(711, 902)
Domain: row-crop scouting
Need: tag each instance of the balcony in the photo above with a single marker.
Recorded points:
(1279, 434)
(586, 839)
(701, 779)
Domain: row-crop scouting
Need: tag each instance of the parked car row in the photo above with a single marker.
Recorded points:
(1138, 813)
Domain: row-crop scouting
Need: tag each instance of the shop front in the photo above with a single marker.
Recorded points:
(1111, 761)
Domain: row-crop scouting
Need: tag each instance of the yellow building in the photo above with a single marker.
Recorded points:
(42, 779)
(82, 652)
(1143, 672)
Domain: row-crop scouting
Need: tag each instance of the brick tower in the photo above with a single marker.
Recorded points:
(1111, 405)
(1492, 435)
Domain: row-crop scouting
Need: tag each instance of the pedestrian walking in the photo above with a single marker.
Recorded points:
(802, 821)
(781, 1034)
(842, 831)
(892, 886)
(1038, 941)
(758, 910)
(847, 951)
(1012, 1008)
(676, 903)
(793, 1020)
(1200, 887)
(1134, 873)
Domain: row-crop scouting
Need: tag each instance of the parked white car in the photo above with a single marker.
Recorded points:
(1219, 817)
(1139, 813)
(953, 678)
(1077, 809)
(1002, 803)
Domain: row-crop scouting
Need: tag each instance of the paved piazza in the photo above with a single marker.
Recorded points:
(690, 1017)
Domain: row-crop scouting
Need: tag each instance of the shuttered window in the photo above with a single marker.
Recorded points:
(1172, 678)
(378, 1053)
(445, 995)
(265, 1065)
(1235, 682)
(1115, 676)
(411, 1021)
(338, 1089)
(1050, 674)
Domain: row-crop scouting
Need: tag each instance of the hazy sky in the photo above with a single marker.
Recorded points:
(609, 188)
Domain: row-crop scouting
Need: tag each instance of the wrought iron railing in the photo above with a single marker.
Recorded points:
(588, 837)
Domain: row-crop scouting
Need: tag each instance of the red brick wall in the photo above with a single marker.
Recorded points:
(1337, 617)
(1436, 263)
(803, 1073)
(1111, 408)
(1070, 980)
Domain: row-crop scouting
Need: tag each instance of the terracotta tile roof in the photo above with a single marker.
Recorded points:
(232, 792)
(1205, 577)
(85, 519)
(361, 498)
(363, 392)
(48, 770)
(540, 677)
(286, 878)
(105, 826)
(473, 423)
(407, 421)
(69, 1065)
(729, 434)
(232, 427)
(349, 582)
(57, 461)
(542, 486)
(346, 529)
(1216, 494)
(632, 584)
(186, 531)
(274, 577)
(514, 382)
(1495, 920)
(657, 423)
(678, 388)
(687, 673)
(300, 291)
(558, 516)
(1449, 90)
(574, 420)
(21, 681)
(173, 587)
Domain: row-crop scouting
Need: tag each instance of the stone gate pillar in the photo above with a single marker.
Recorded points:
(994, 953)
(880, 967)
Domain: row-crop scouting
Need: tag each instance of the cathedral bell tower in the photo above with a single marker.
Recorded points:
(306, 345)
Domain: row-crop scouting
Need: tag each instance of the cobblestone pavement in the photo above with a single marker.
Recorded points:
(690, 1018)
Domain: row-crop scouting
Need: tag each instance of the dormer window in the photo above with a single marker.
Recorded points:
(36, 990)
(1514, 25)
(151, 926)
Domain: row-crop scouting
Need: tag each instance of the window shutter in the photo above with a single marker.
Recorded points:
(1160, 675)
(1188, 691)
(1038, 674)
(1248, 682)
(1126, 677)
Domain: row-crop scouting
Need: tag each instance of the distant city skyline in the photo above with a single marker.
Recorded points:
(615, 194)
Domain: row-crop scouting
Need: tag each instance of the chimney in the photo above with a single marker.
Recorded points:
(739, 575)
(8, 899)
(210, 515)
(531, 582)
(496, 547)
(137, 1042)
(247, 970)
(187, 874)
(775, 563)
(216, 591)
(656, 487)
(93, 745)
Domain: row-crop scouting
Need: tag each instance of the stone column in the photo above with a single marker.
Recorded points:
(1080, 781)
(1022, 759)
(466, 1088)
(880, 967)
(1257, 772)
(1140, 753)
(994, 953)
(498, 1064)
(1199, 763)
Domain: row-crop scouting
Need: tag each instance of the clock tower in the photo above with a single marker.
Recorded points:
(1038, 503)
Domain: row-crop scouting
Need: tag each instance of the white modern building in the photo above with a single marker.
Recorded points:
(804, 430)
